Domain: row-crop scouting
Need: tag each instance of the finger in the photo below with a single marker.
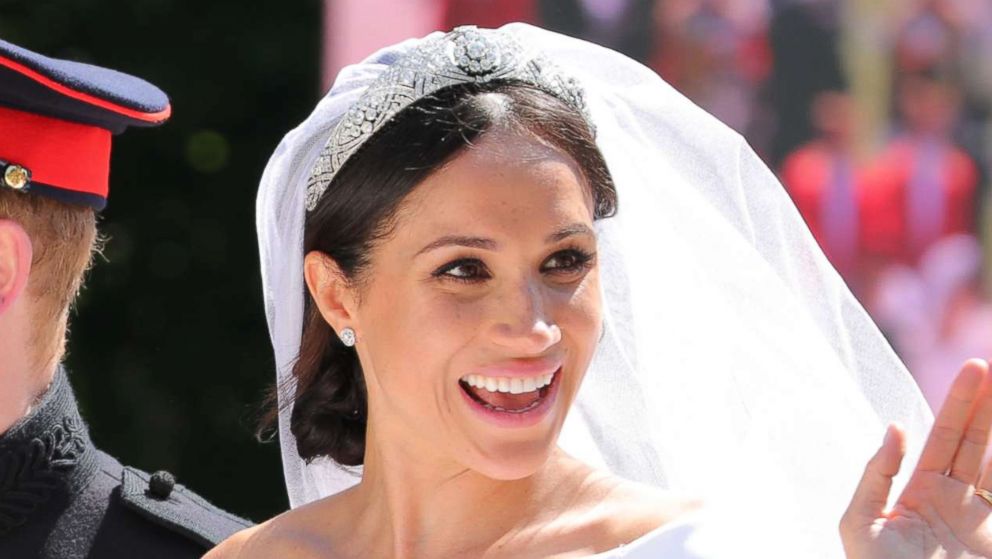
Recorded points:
(985, 481)
(872, 494)
(948, 429)
(968, 461)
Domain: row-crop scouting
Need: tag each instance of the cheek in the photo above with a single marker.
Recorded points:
(415, 334)
(449, 324)
(580, 319)
(419, 337)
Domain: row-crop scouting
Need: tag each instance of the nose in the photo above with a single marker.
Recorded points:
(523, 324)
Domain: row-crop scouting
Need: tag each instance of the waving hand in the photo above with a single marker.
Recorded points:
(946, 508)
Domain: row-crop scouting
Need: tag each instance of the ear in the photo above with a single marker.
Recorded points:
(15, 262)
(330, 290)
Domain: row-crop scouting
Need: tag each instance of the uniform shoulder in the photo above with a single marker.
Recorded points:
(157, 498)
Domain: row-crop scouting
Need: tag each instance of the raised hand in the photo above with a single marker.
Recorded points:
(944, 510)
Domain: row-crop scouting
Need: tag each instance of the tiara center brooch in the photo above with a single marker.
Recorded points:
(465, 55)
(473, 53)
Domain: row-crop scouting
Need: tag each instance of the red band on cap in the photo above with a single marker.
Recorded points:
(156, 117)
(58, 153)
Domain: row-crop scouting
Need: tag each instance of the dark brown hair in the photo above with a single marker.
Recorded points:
(358, 209)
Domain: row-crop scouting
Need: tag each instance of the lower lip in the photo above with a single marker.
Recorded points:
(528, 418)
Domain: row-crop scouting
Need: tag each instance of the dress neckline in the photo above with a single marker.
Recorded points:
(683, 521)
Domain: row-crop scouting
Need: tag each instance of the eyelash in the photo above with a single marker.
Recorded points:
(581, 261)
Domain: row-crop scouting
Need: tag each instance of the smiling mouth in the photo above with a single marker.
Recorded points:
(508, 395)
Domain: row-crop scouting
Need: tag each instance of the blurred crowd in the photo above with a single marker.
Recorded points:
(901, 207)
(874, 113)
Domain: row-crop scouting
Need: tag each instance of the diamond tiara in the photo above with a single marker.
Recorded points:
(465, 55)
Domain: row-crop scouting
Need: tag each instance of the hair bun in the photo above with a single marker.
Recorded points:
(328, 416)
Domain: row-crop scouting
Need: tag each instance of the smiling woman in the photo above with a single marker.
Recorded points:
(442, 211)
(459, 246)
(399, 229)
(525, 307)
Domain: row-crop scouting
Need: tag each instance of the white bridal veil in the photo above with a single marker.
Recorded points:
(736, 365)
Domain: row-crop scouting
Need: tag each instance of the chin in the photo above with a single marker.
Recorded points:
(514, 461)
(509, 445)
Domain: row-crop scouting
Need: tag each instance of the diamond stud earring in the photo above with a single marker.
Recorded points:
(347, 336)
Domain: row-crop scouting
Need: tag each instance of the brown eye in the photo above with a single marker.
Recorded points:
(464, 269)
(566, 261)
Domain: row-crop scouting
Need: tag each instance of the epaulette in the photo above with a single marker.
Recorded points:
(161, 500)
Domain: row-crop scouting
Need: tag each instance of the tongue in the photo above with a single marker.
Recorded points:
(504, 400)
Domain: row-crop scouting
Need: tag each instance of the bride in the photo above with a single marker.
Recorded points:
(472, 226)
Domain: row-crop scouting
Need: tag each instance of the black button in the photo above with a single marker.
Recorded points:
(161, 484)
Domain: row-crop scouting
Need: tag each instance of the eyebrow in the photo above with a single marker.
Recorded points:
(569, 231)
(489, 244)
(458, 240)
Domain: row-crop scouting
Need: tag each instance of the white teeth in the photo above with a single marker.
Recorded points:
(508, 385)
(516, 386)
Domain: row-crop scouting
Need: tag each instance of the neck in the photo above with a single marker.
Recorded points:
(23, 387)
(415, 505)
(24, 377)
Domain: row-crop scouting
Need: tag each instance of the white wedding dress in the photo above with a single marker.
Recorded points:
(675, 540)
(704, 534)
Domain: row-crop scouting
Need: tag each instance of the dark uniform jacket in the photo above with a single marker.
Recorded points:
(60, 497)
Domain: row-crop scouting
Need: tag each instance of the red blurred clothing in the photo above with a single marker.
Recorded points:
(486, 13)
(916, 193)
(827, 189)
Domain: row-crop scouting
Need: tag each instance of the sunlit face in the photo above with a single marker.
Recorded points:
(481, 311)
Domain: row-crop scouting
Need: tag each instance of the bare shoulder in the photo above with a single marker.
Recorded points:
(293, 534)
(612, 511)
(631, 510)
(232, 546)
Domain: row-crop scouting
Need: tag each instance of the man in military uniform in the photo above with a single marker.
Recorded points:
(60, 496)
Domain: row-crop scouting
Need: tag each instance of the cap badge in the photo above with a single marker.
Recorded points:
(16, 177)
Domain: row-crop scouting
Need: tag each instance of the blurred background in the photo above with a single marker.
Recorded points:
(874, 113)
